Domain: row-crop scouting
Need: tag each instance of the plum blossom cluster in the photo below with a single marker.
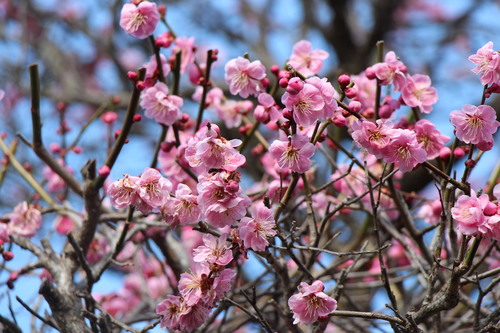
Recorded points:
(415, 90)
(203, 169)
(149, 191)
(477, 215)
(405, 147)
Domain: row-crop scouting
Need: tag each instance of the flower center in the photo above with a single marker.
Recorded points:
(404, 152)
(290, 156)
(136, 22)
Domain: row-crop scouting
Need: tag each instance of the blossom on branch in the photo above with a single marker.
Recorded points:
(417, 92)
(404, 150)
(24, 221)
(294, 153)
(487, 63)
(475, 124)
(245, 77)
(255, 231)
(139, 21)
(161, 106)
(305, 60)
(311, 303)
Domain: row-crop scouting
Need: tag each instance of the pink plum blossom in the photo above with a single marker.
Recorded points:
(154, 189)
(306, 60)
(124, 192)
(214, 251)
(468, 213)
(418, 92)
(404, 150)
(220, 198)
(244, 77)
(171, 160)
(366, 89)
(431, 211)
(311, 303)
(328, 93)
(391, 71)
(209, 150)
(267, 110)
(433, 140)
(54, 182)
(152, 71)
(176, 315)
(161, 106)
(200, 286)
(306, 106)
(139, 21)
(232, 112)
(64, 224)
(373, 137)
(475, 124)
(24, 220)
(255, 231)
(213, 98)
(182, 208)
(186, 46)
(487, 63)
(97, 249)
(294, 153)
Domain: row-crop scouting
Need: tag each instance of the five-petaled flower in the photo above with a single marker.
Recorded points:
(294, 153)
(245, 77)
(139, 21)
(311, 303)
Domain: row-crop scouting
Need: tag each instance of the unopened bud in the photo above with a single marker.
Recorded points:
(344, 80)
(104, 171)
(283, 82)
(275, 70)
(132, 76)
(351, 93)
(459, 152)
(140, 85)
(7, 255)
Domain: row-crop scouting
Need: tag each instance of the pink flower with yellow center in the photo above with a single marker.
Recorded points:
(311, 303)
(404, 150)
(418, 92)
(294, 154)
(475, 124)
(245, 77)
(487, 63)
(139, 21)
(306, 60)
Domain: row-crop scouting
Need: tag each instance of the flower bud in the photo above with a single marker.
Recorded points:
(104, 171)
(275, 70)
(132, 76)
(344, 80)
(459, 152)
(7, 255)
(445, 153)
(294, 86)
(351, 93)
(283, 82)
(355, 106)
